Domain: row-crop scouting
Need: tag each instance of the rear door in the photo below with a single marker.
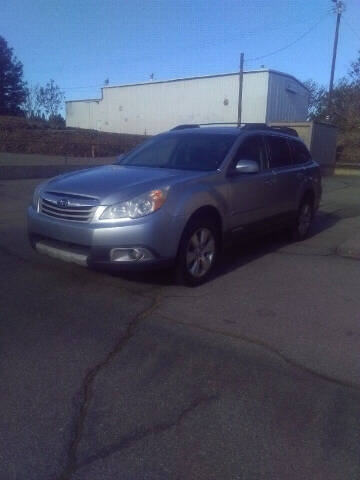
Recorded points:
(252, 194)
(287, 176)
(302, 160)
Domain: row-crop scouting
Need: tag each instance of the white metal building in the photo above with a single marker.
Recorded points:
(153, 107)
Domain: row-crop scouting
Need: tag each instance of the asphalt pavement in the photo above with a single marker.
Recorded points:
(254, 375)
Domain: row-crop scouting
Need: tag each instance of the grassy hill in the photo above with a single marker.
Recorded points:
(20, 135)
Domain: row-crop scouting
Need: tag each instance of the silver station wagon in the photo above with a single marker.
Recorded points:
(175, 199)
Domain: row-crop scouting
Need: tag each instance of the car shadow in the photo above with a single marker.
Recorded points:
(235, 255)
(246, 251)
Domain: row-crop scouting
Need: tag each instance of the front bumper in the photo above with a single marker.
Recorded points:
(91, 243)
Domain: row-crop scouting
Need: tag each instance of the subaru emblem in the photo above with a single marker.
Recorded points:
(63, 203)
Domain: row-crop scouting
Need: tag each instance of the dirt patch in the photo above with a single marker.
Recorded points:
(20, 135)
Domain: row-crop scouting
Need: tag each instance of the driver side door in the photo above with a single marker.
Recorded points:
(252, 195)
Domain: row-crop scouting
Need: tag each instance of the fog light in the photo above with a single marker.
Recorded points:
(129, 254)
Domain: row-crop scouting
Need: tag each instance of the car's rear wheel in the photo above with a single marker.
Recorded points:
(304, 220)
(198, 252)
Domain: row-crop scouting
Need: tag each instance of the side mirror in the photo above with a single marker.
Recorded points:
(246, 166)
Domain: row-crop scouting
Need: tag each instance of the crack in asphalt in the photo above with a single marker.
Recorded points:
(87, 385)
(269, 348)
(128, 440)
(86, 389)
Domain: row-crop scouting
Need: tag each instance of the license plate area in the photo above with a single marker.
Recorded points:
(70, 254)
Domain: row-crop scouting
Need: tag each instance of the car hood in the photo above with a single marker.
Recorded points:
(116, 183)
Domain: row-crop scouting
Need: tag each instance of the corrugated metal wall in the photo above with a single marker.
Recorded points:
(84, 114)
(323, 143)
(287, 99)
(155, 107)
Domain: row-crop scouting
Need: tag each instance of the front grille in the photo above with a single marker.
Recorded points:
(77, 213)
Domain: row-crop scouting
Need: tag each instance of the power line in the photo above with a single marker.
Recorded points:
(210, 44)
(291, 43)
(283, 27)
(246, 61)
(351, 28)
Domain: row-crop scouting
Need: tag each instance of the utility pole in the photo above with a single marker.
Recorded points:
(339, 8)
(241, 76)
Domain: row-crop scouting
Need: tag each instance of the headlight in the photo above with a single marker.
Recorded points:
(137, 207)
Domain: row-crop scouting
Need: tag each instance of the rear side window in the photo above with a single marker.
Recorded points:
(279, 152)
(300, 153)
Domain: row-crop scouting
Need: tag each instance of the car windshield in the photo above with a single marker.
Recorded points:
(195, 151)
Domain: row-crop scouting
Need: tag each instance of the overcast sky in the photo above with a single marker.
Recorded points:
(80, 43)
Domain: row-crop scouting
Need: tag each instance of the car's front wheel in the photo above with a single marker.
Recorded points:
(198, 252)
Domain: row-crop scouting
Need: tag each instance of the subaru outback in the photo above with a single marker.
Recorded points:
(177, 198)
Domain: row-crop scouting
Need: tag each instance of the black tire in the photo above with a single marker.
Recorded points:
(304, 218)
(195, 228)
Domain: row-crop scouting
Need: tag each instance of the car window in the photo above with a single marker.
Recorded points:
(201, 151)
(300, 153)
(279, 152)
(157, 155)
(252, 148)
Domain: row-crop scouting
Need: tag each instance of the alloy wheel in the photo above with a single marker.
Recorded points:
(304, 220)
(200, 252)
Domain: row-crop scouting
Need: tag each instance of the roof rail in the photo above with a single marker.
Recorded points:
(264, 126)
(182, 127)
(254, 126)
(198, 125)
(287, 130)
(245, 126)
(218, 123)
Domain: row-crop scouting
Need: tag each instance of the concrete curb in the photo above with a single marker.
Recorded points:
(347, 171)
(351, 248)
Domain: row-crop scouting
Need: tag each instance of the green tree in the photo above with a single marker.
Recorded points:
(43, 103)
(32, 104)
(57, 121)
(344, 111)
(354, 71)
(13, 89)
(316, 97)
(50, 99)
